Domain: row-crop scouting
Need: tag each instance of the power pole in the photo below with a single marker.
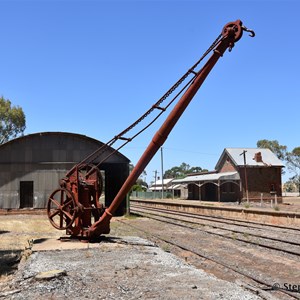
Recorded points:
(162, 173)
(245, 169)
(155, 178)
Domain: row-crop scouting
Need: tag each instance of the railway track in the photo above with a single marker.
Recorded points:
(266, 236)
(224, 220)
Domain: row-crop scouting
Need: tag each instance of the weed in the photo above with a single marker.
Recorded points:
(166, 248)
(131, 216)
(246, 235)
(27, 251)
(247, 205)
(207, 204)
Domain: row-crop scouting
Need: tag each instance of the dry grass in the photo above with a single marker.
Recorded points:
(17, 233)
(17, 230)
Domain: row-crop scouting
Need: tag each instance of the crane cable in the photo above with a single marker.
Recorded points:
(93, 156)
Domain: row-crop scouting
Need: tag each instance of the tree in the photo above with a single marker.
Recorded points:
(182, 171)
(12, 120)
(197, 170)
(293, 164)
(279, 150)
(140, 186)
(292, 159)
(290, 187)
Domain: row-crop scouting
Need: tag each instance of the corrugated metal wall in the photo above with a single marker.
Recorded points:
(44, 159)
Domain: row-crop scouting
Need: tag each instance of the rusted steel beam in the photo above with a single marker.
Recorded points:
(231, 33)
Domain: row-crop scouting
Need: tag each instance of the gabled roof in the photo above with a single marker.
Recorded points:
(157, 186)
(268, 158)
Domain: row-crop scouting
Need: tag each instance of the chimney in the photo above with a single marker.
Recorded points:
(258, 157)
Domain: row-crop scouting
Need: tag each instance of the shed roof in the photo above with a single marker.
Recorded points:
(209, 177)
(236, 155)
(55, 147)
(165, 181)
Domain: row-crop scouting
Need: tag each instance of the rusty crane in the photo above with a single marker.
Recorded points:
(75, 205)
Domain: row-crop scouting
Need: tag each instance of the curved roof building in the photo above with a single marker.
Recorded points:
(32, 165)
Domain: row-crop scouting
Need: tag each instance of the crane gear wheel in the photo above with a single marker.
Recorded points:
(233, 28)
(61, 209)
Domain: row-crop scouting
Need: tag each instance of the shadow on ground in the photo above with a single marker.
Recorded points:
(3, 231)
(9, 261)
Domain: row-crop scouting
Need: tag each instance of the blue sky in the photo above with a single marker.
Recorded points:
(93, 67)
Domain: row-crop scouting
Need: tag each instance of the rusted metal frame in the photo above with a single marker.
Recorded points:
(102, 226)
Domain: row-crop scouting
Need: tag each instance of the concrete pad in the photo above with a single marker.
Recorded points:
(60, 244)
(67, 243)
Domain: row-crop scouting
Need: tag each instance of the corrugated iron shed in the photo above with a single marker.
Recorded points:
(32, 165)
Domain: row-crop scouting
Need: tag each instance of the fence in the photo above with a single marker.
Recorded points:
(151, 195)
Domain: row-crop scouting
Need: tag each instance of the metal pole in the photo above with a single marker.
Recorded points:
(155, 178)
(127, 204)
(162, 173)
(245, 170)
(219, 191)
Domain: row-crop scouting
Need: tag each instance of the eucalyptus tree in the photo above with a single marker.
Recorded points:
(12, 120)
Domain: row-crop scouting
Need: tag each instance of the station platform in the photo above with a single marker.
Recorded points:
(286, 213)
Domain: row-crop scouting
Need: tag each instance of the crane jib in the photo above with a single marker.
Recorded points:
(76, 202)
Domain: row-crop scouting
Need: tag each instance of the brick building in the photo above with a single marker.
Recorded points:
(238, 172)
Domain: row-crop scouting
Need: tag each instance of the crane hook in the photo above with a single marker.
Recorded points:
(251, 32)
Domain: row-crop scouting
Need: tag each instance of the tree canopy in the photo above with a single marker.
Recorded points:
(182, 170)
(279, 150)
(140, 186)
(293, 164)
(292, 158)
(12, 120)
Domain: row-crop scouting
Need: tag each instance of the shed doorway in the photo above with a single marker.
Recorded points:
(26, 194)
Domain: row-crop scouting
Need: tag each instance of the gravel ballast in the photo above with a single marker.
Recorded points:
(116, 268)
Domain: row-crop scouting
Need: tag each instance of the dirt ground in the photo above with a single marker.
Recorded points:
(293, 202)
(119, 267)
(19, 231)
